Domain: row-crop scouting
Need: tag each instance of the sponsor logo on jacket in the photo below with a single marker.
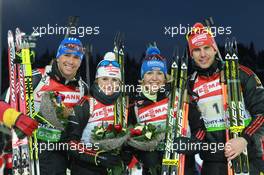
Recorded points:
(154, 112)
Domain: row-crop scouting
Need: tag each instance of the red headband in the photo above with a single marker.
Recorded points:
(200, 36)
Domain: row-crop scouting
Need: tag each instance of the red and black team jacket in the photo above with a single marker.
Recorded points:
(144, 110)
(50, 79)
(90, 112)
(206, 89)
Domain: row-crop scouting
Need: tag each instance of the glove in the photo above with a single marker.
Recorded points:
(126, 154)
(107, 160)
(188, 146)
(24, 126)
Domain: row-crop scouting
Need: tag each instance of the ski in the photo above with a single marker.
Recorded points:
(240, 164)
(226, 111)
(88, 57)
(29, 153)
(22, 108)
(72, 22)
(120, 108)
(170, 122)
(16, 143)
(176, 123)
(209, 22)
(183, 106)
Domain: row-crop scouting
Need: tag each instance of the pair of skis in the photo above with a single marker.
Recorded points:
(233, 102)
(120, 108)
(234, 106)
(25, 152)
(177, 120)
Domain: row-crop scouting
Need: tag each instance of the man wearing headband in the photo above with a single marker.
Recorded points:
(69, 57)
(205, 83)
(62, 78)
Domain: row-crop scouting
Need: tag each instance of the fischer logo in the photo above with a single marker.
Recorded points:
(13, 91)
(12, 73)
(21, 81)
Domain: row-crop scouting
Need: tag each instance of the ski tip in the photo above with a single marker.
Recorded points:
(73, 20)
(184, 66)
(185, 54)
(234, 44)
(35, 34)
(10, 36)
(175, 54)
(119, 40)
(89, 48)
(174, 65)
(209, 22)
(227, 45)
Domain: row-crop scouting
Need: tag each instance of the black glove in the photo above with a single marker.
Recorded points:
(108, 160)
(126, 154)
(188, 146)
(2, 143)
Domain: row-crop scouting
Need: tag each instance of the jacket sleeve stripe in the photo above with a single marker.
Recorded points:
(256, 124)
(246, 70)
(250, 127)
(200, 134)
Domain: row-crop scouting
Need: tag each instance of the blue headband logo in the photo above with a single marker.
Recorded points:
(71, 46)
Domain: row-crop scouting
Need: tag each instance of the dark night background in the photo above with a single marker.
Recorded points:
(141, 21)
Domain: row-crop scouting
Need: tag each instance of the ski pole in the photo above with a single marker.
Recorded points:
(88, 56)
(224, 92)
(72, 22)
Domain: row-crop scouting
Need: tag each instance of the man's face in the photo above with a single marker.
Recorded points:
(68, 65)
(204, 56)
